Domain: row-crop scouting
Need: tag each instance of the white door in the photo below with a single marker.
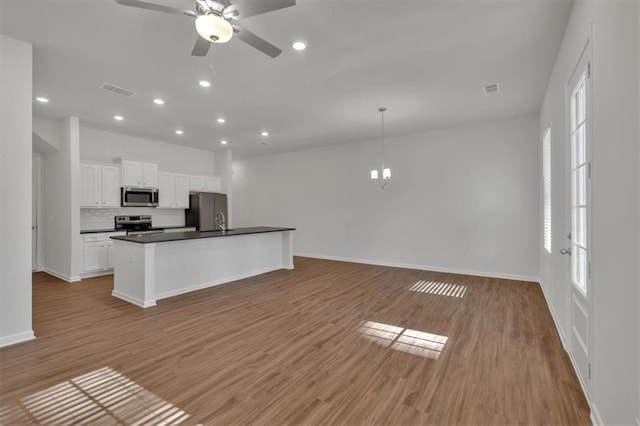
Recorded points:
(34, 213)
(110, 186)
(579, 265)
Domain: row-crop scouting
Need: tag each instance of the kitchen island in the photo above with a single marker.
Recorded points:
(156, 266)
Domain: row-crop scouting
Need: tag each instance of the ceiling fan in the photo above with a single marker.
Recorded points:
(216, 21)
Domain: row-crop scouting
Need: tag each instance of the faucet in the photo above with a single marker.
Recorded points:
(220, 220)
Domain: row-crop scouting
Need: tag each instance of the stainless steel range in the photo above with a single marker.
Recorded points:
(135, 225)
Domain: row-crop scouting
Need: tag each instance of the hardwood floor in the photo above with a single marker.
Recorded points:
(326, 343)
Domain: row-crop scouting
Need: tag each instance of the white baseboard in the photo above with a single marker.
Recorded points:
(596, 420)
(61, 276)
(16, 338)
(554, 316)
(96, 274)
(133, 300)
(424, 267)
(226, 280)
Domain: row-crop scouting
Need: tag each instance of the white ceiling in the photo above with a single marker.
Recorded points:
(425, 60)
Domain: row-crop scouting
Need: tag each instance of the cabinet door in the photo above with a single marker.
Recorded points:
(166, 190)
(149, 175)
(95, 256)
(131, 173)
(211, 184)
(90, 185)
(197, 183)
(110, 186)
(110, 254)
(182, 191)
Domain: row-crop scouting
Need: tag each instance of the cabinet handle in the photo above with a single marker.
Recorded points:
(96, 202)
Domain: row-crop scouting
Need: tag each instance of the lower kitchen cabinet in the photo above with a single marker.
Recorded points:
(98, 252)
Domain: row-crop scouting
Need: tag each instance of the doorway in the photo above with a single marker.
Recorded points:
(36, 214)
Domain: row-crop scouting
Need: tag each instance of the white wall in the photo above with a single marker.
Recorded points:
(102, 146)
(615, 190)
(15, 181)
(62, 250)
(457, 197)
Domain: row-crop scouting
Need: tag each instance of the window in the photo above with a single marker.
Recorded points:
(579, 176)
(546, 185)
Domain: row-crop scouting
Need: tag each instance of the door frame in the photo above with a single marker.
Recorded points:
(38, 184)
(586, 54)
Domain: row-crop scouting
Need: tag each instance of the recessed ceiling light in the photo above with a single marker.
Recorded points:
(223, 142)
(204, 83)
(158, 101)
(265, 133)
(299, 45)
(179, 132)
(41, 99)
(118, 117)
(221, 120)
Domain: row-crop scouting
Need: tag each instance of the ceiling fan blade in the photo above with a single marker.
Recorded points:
(256, 7)
(201, 48)
(259, 43)
(152, 6)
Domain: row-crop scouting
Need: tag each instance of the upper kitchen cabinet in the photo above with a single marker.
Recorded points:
(100, 186)
(139, 174)
(205, 184)
(173, 190)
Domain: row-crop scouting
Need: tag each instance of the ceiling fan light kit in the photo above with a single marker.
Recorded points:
(214, 28)
(213, 21)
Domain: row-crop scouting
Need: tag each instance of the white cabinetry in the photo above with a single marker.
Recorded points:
(205, 184)
(100, 185)
(173, 190)
(139, 174)
(95, 252)
(90, 185)
(98, 252)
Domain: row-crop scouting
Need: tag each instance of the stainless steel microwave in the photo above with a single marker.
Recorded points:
(138, 197)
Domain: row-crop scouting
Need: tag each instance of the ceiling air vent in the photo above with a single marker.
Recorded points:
(117, 90)
(492, 89)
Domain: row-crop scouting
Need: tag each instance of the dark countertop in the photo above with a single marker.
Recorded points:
(103, 231)
(194, 235)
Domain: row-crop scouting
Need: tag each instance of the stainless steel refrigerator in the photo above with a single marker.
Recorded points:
(203, 207)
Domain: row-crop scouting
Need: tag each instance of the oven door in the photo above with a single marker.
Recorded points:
(139, 197)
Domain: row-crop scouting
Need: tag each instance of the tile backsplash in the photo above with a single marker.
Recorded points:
(103, 218)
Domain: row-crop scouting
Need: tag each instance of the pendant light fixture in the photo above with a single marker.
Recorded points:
(386, 172)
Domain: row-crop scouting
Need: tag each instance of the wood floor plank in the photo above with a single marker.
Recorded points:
(326, 343)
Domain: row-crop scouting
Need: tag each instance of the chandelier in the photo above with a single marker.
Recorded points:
(386, 172)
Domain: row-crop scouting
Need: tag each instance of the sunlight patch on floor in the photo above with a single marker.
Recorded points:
(438, 288)
(102, 396)
(415, 342)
